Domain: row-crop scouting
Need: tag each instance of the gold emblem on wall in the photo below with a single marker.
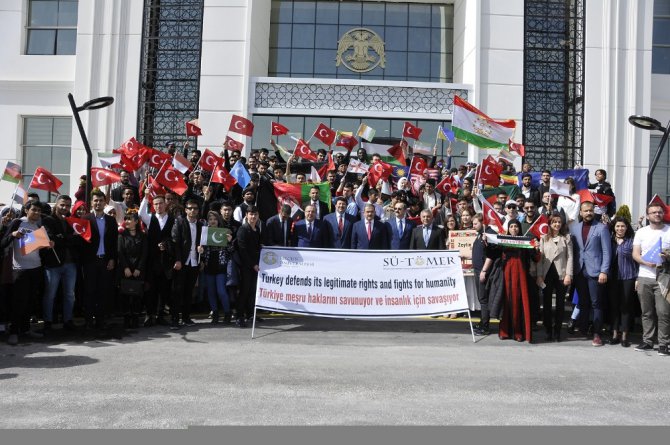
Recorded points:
(360, 50)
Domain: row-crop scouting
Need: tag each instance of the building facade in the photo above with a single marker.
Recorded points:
(570, 72)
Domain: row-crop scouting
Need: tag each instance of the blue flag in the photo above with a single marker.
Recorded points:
(400, 171)
(240, 174)
(653, 255)
(581, 177)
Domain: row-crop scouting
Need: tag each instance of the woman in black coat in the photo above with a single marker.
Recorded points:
(249, 250)
(132, 256)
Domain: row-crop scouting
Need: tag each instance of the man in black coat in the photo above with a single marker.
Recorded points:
(278, 228)
(339, 225)
(99, 260)
(427, 236)
(185, 240)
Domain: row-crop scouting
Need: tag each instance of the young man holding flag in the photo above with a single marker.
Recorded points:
(27, 236)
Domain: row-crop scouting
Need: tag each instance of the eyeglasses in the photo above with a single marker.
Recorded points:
(191, 208)
(529, 208)
(511, 206)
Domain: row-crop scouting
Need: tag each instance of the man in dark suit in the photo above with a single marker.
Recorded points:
(400, 228)
(310, 232)
(339, 225)
(427, 236)
(320, 207)
(592, 246)
(369, 233)
(185, 240)
(531, 193)
(278, 228)
(99, 259)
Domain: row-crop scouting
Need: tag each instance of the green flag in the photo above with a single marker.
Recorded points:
(214, 236)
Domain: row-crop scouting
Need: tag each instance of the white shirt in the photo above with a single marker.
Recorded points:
(647, 238)
(193, 256)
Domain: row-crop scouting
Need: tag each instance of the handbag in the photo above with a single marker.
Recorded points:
(132, 288)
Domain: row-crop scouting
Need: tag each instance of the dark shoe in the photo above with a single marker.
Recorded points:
(644, 347)
(100, 324)
(625, 343)
(70, 326)
(571, 326)
(258, 320)
(126, 322)
(481, 332)
(613, 341)
(188, 322)
(149, 321)
(215, 317)
(13, 340)
(663, 350)
(240, 323)
(597, 341)
(227, 318)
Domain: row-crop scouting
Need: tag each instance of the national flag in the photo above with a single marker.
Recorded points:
(214, 236)
(302, 150)
(517, 147)
(581, 177)
(471, 125)
(490, 171)
(602, 200)
(221, 176)
(240, 173)
(400, 171)
(313, 175)
(558, 187)
(491, 194)
(34, 240)
(128, 164)
(20, 194)
(418, 165)
(12, 173)
(417, 181)
(657, 200)
(346, 139)
(296, 194)
(540, 227)
(325, 134)
(380, 150)
(180, 163)
(509, 179)
(284, 152)
(398, 153)
(81, 227)
(507, 156)
(154, 187)
(241, 125)
(109, 160)
(156, 158)
(379, 170)
(519, 242)
(450, 184)
(43, 179)
(432, 173)
(422, 148)
(491, 217)
(193, 128)
(444, 134)
(129, 148)
(653, 255)
(411, 131)
(172, 179)
(208, 160)
(232, 144)
(101, 176)
(278, 129)
(328, 166)
(356, 166)
(365, 132)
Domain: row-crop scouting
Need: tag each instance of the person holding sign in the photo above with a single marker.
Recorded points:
(215, 251)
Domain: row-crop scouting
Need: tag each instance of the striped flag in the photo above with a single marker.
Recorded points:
(12, 173)
(34, 240)
(20, 194)
(365, 132)
(472, 126)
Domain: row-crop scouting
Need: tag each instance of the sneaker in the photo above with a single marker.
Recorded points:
(663, 350)
(13, 340)
(479, 332)
(149, 321)
(597, 341)
(644, 347)
(188, 322)
(572, 326)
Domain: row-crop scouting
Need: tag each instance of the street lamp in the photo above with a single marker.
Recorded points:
(649, 123)
(93, 104)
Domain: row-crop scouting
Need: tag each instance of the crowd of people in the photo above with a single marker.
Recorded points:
(144, 257)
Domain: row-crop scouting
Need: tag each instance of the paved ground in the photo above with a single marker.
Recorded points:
(311, 371)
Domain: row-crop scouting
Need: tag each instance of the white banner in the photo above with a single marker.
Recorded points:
(360, 283)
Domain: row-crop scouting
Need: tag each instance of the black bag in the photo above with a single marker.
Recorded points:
(132, 288)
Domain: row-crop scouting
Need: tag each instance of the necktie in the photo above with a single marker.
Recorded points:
(340, 225)
(283, 230)
(400, 229)
(316, 208)
(369, 231)
(309, 230)
(426, 235)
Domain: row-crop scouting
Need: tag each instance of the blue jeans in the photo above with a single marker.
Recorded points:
(67, 273)
(590, 299)
(216, 291)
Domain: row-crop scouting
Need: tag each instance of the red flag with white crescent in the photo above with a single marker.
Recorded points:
(208, 160)
(302, 150)
(80, 226)
(193, 128)
(324, 134)
(490, 171)
(379, 170)
(221, 176)
(101, 176)
(241, 125)
(43, 179)
(418, 165)
(491, 217)
(540, 227)
(448, 185)
(172, 179)
(517, 148)
(156, 158)
(411, 131)
(232, 144)
(278, 129)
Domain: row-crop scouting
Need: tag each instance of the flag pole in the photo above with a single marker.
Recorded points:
(216, 164)
(159, 172)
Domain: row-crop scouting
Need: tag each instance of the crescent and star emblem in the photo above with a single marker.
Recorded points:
(323, 133)
(239, 125)
(487, 171)
(98, 178)
(167, 176)
(155, 159)
(38, 178)
(215, 239)
(544, 228)
(77, 228)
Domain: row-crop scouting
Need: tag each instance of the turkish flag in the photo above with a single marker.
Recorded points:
(81, 227)
(346, 141)
(540, 227)
(602, 200)
(130, 148)
(154, 187)
(418, 166)
(410, 131)
(302, 150)
(241, 125)
(657, 200)
(278, 129)
(156, 158)
(379, 170)
(517, 148)
(221, 176)
(398, 152)
(489, 173)
(193, 128)
(491, 217)
(101, 176)
(325, 134)
(43, 179)
(232, 144)
(330, 165)
(209, 160)
(448, 185)
(172, 179)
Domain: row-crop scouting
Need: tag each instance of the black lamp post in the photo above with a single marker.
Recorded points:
(94, 104)
(649, 123)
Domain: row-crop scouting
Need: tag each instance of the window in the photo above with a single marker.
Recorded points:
(52, 27)
(661, 179)
(660, 49)
(47, 142)
(418, 39)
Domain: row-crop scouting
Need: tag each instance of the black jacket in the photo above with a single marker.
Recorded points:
(89, 251)
(181, 238)
(162, 261)
(67, 245)
(249, 245)
(133, 252)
